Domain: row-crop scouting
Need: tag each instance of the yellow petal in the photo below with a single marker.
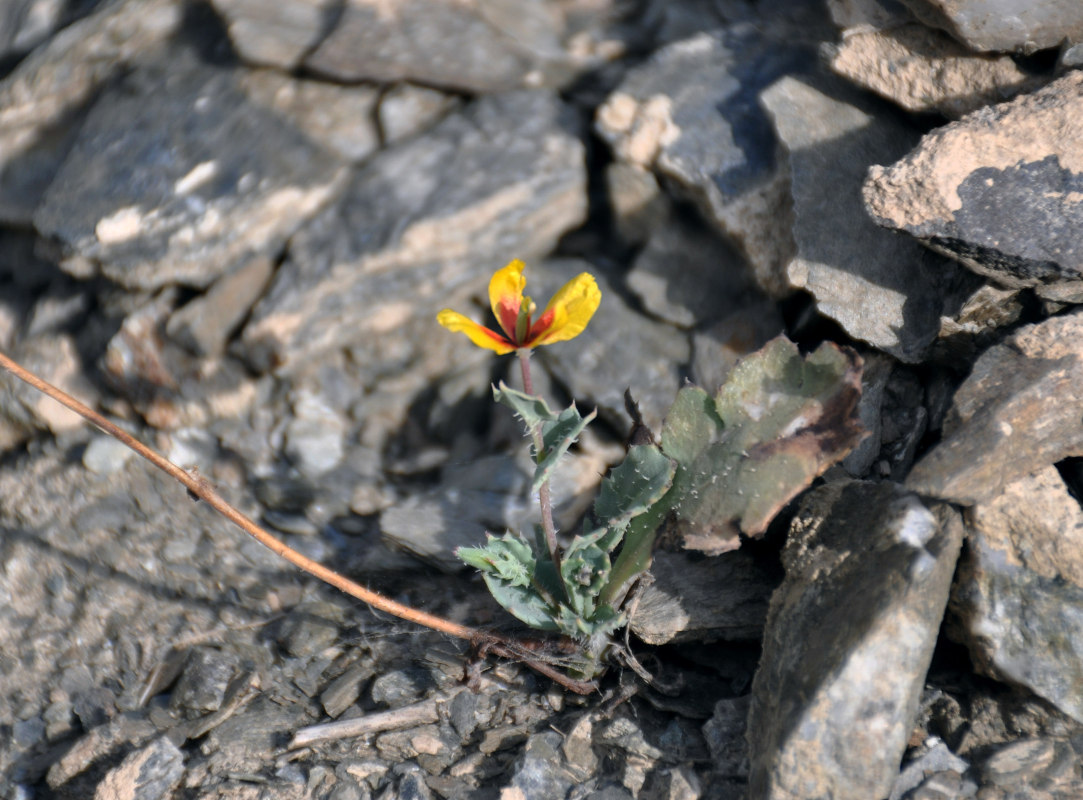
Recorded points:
(506, 294)
(479, 335)
(572, 308)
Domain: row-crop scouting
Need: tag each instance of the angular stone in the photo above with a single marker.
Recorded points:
(1011, 417)
(420, 225)
(467, 46)
(149, 773)
(26, 23)
(175, 177)
(690, 599)
(339, 118)
(275, 34)
(717, 349)
(849, 637)
(691, 114)
(879, 287)
(407, 109)
(877, 14)
(44, 100)
(1019, 591)
(999, 190)
(687, 275)
(23, 410)
(1005, 25)
(924, 70)
(620, 349)
(205, 323)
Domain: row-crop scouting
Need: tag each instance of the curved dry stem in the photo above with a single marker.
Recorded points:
(202, 488)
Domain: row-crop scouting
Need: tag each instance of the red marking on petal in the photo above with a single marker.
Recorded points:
(508, 314)
(539, 327)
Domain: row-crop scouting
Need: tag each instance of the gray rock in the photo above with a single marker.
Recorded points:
(718, 347)
(1009, 418)
(934, 760)
(149, 773)
(341, 119)
(878, 14)
(503, 179)
(691, 114)
(1045, 768)
(96, 744)
(923, 70)
(26, 23)
(1019, 592)
(725, 735)
(1003, 24)
(278, 34)
(833, 704)
(724, 597)
(473, 47)
(875, 374)
(25, 411)
(44, 100)
(165, 383)
(978, 322)
(406, 109)
(175, 177)
(315, 436)
(996, 190)
(879, 287)
(636, 201)
(541, 771)
(619, 349)
(204, 324)
(202, 686)
(687, 275)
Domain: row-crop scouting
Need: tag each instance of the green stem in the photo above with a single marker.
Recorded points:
(544, 499)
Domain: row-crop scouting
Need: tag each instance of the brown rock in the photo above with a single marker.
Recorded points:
(998, 190)
(1014, 415)
(925, 70)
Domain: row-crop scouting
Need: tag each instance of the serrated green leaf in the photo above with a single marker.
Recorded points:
(639, 482)
(522, 602)
(531, 409)
(557, 436)
(508, 558)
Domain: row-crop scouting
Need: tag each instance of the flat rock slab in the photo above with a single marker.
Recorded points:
(880, 288)
(1011, 417)
(1001, 190)
(702, 599)
(1007, 25)
(469, 46)
(1019, 592)
(849, 637)
(423, 224)
(176, 176)
(691, 114)
(925, 70)
(44, 99)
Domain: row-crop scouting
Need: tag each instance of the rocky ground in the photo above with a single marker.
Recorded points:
(229, 227)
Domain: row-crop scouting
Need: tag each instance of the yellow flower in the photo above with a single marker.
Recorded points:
(565, 317)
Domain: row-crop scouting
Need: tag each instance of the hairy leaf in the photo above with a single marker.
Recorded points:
(779, 421)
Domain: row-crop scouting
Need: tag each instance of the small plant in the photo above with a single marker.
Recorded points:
(724, 465)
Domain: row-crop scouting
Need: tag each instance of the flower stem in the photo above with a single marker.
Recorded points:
(545, 501)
